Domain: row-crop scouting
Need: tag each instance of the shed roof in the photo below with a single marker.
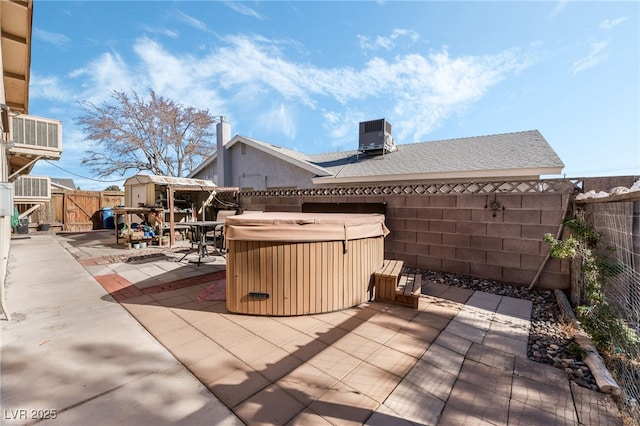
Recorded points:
(177, 183)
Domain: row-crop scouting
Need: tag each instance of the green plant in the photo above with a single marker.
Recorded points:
(603, 323)
(576, 350)
(562, 249)
(583, 231)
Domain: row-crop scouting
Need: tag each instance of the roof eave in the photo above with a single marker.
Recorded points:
(16, 24)
(440, 176)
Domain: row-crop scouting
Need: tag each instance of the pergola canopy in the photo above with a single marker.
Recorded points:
(179, 183)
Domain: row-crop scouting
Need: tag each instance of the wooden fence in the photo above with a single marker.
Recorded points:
(73, 210)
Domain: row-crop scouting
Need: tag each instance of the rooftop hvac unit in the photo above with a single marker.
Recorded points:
(375, 137)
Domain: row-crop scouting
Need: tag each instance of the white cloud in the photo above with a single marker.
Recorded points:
(243, 9)
(423, 91)
(596, 55)
(106, 73)
(163, 70)
(340, 127)
(611, 23)
(51, 38)
(388, 42)
(191, 21)
(244, 61)
(558, 8)
(163, 31)
(252, 75)
(280, 119)
(48, 87)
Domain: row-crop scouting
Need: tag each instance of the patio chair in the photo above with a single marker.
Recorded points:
(218, 232)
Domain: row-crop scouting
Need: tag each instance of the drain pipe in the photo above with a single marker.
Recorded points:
(558, 234)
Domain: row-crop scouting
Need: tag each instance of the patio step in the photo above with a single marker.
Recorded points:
(409, 290)
(392, 286)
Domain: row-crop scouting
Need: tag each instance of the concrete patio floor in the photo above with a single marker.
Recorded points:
(131, 343)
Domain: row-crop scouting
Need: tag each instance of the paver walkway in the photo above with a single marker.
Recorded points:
(72, 355)
(458, 359)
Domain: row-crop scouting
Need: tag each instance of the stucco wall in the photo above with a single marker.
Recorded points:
(459, 233)
(252, 168)
(247, 167)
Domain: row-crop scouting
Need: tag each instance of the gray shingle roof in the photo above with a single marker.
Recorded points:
(524, 153)
(507, 151)
(67, 183)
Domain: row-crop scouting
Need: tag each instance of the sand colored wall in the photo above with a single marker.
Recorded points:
(458, 233)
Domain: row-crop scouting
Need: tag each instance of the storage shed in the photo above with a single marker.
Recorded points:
(183, 199)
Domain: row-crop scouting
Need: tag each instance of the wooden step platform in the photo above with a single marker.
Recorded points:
(409, 290)
(393, 287)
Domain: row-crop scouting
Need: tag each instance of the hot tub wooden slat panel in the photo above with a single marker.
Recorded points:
(230, 268)
(338, 278)
(253, 307)
(246, 277)
(317, 277)
(300, 278)
(243, 259)
(324, 298)
(355, 260)
(306, 307)
(230, 287)
(262, 285)
(232, 294)
(290, 282)
(278, 297)
(286, 279)
(331, 302)
(293, 297)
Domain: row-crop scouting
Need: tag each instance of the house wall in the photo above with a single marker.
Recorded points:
(455, 232)
(250, 168)
(209, 172)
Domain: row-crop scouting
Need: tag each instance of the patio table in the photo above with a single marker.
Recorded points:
(200, 229)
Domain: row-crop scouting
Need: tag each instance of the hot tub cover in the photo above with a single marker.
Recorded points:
(298, 227)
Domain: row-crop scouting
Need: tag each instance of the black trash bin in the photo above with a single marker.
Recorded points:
(106, 217)
(23, 228)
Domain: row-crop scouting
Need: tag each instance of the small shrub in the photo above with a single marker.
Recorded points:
(576, 350)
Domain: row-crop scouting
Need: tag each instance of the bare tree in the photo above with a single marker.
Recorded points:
(155, 135)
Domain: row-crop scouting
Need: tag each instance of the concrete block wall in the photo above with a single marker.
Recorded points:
(460, 233)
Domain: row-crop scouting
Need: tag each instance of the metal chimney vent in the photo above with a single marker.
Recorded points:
(375, 137)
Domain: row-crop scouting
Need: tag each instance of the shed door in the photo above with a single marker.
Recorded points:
(138, 196)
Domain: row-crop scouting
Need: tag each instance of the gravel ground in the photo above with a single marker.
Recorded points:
(550, 338)
(148, 253)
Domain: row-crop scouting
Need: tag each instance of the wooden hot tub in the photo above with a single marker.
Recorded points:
(284, 264)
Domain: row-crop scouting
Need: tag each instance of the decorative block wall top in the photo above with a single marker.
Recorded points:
(500, 187)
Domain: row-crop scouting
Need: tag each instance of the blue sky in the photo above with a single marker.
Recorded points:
(303, 74)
